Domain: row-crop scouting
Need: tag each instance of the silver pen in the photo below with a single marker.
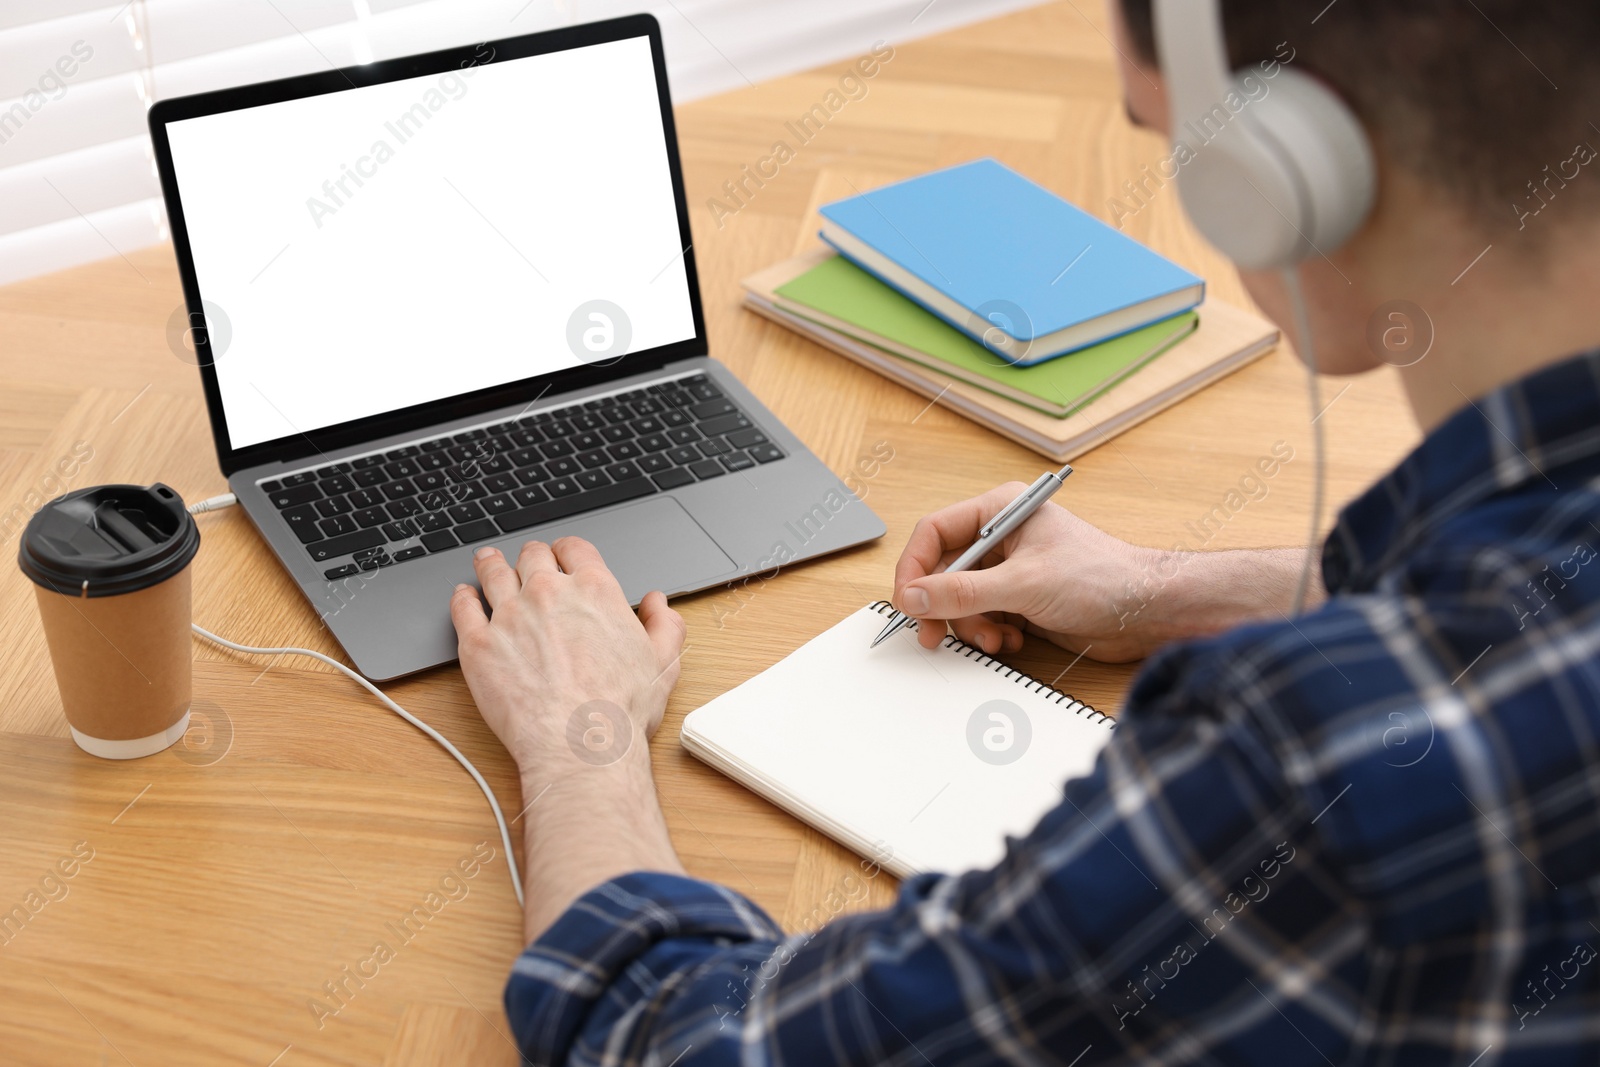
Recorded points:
(991, 535)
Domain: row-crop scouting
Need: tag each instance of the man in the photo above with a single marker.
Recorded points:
(1370, 834)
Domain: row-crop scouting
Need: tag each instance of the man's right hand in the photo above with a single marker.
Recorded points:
(1064, 579)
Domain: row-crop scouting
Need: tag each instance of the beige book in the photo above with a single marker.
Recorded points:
(1228, 338)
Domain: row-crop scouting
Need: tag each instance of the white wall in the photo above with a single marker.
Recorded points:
(77, 181)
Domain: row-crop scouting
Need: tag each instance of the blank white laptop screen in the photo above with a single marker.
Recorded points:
(372, 249)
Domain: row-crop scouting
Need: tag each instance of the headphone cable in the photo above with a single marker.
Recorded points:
(1308, 353)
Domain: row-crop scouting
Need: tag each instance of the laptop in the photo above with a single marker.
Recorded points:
(449, 301)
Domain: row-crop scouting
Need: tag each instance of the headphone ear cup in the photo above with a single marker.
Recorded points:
(1325, 148)
(1280, 175)
(1237, 192)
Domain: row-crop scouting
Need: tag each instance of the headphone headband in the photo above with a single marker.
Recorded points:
(1192, 29)
(1270, 178)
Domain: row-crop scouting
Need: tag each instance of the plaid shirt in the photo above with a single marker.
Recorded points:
(1367, 835)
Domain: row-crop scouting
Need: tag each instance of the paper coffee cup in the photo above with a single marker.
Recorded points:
(110, 566)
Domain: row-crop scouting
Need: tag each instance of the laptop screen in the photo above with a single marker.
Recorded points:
(366, 250)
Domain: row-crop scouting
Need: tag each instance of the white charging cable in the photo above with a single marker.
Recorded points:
(215, 503)
(1308, 354)
(499, 817)
(228, 500)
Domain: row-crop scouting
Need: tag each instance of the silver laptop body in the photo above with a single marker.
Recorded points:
(451, 300)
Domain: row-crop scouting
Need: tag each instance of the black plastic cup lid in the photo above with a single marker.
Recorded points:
(109, 539)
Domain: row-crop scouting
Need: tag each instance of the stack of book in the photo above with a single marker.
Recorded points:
(978, 288)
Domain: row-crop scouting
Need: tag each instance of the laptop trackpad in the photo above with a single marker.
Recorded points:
(653, 544)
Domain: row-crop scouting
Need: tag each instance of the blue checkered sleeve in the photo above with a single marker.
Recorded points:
(1175, 872)
(1369, 834)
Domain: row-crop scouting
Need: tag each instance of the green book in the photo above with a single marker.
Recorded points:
(838, 294)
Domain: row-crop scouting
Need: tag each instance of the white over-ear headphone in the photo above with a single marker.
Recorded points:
(1270, 179)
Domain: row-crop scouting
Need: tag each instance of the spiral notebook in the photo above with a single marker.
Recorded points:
(921, 760)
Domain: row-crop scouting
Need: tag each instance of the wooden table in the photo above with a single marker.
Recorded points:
(222, 895)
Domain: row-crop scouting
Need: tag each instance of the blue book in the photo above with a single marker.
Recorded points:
(1012, 265)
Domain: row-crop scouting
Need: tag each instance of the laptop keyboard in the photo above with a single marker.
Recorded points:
(480, 484)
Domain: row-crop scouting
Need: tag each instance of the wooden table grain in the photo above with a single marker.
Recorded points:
(219, 893)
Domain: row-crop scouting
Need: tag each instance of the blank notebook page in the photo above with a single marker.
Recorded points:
(923, 760)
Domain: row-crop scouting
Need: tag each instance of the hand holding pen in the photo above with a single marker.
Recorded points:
(989, 537)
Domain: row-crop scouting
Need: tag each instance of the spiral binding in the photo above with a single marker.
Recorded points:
(951, 641)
